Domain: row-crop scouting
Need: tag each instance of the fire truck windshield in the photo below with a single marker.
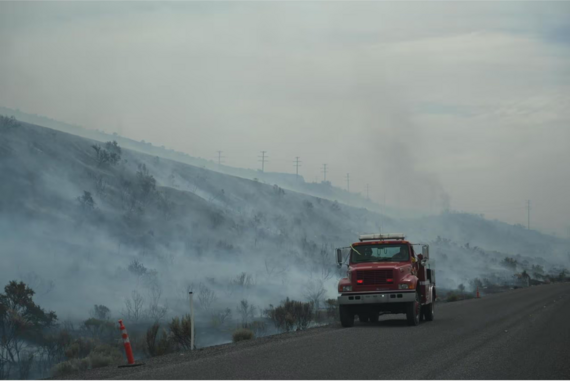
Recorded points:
(379, 253)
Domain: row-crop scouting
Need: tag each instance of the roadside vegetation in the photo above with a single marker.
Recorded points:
(486, 286)
(137, 233)
(35, 344)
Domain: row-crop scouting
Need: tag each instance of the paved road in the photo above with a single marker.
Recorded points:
(520, 334)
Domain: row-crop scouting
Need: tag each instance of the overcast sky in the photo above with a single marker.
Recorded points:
(428, 102)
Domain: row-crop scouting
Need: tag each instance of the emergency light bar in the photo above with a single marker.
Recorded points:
(377, 237)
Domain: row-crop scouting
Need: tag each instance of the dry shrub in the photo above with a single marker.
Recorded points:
(180, 332)
(257, 327)
(155, 345)
(320, 316)
(98, 356)
(103, 355)
(220, 319)
(291, 314)
(103, 330)
(241, 334)
(150, 342)
(99, 361)
(79, 348)
(332, 308)
(63, 369)
(452, 297)
(69, 367)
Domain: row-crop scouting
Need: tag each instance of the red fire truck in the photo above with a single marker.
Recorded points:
(386, 276)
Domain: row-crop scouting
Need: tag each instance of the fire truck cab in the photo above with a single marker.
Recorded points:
(386, 276)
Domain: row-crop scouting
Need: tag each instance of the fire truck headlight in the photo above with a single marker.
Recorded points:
(346, 288)
(403, 286)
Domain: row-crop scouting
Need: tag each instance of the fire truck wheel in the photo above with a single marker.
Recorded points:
(346, 316)
(413, 311)
(429, 311)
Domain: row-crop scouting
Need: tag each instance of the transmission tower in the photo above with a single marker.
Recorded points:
(297, 165)
(263, 159)
(528, 214)
(220, 157)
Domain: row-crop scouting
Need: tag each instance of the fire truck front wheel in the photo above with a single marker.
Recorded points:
(413, 311)
(346, 316)
(429, 310)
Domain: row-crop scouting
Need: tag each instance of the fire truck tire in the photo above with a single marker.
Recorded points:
(429, 310)
(346, 316)
(413, 311)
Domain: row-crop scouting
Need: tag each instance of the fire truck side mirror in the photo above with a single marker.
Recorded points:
(339, 257)
(425, 251)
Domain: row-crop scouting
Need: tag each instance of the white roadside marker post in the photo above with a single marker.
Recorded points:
(191, 322)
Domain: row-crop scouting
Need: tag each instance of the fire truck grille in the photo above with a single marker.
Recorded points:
(375, 277)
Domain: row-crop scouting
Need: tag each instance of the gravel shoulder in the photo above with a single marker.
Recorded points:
(156, 363)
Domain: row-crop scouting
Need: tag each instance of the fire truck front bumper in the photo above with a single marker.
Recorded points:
(377, 297)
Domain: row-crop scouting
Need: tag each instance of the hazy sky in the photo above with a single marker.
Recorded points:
(425, 101)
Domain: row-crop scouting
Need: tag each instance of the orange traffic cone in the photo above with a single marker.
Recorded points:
(128, 348)
(478, 296)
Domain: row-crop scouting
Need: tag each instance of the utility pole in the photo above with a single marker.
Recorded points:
(348, 182)
(263, 160)
(191, 320)
(528, 213)
(325, 172)
(297, 165)
(220, 158)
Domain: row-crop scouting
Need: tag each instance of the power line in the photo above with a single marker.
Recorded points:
(263, 160)
(491, 205)
(297, 165)
(324, 170)
(493, 210)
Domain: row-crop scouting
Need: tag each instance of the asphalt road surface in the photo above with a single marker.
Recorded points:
(519, 334)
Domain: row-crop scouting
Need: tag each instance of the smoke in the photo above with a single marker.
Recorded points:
(140, 250)
(392, 145)
(226, 238)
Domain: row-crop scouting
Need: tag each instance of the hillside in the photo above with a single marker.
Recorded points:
(157, 228)
(284, 180)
